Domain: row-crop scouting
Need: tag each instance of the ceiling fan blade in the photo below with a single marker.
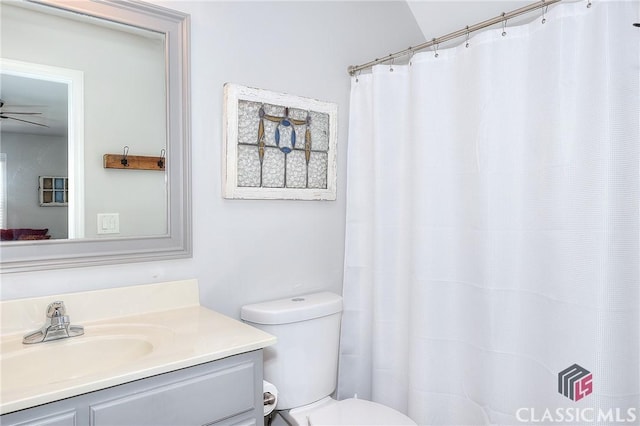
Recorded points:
(22, 113)
(25, 121)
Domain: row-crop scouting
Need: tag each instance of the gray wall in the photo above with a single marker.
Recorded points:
(28, 157)
(249, 251)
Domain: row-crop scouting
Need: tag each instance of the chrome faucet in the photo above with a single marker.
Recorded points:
(57, 326)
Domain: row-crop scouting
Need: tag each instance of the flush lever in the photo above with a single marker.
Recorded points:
(268, 398)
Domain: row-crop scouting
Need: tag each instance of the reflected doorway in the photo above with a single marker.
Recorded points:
(42, 136)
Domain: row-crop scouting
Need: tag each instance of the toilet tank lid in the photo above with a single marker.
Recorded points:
(293, 309)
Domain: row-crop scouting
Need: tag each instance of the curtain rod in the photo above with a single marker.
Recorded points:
(504, 17)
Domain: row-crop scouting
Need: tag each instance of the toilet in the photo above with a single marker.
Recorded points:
(303, 364)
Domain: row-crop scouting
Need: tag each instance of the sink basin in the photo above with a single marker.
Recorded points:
(100, 350)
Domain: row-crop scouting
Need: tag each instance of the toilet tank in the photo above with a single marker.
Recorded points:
(303, 364)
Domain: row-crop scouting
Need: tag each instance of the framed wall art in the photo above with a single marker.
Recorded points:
(278, 146)
(53, 191)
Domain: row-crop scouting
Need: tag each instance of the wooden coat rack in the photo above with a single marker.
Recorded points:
(133, 162)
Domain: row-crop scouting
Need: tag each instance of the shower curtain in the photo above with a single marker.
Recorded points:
(492, 239)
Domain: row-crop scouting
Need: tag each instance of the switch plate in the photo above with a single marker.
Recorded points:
(108, 223)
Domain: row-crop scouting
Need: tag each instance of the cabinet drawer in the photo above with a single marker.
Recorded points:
(242, 420)
(61, 419)
(193, 401)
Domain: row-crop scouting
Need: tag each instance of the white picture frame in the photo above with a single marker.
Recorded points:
(314, 119)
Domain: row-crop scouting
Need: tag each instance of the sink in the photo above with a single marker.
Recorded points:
(100, 350)
(131, 333)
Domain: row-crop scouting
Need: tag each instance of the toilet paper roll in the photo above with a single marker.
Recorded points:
(270, 397)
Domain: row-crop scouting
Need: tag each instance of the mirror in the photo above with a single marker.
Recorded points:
(123, 83)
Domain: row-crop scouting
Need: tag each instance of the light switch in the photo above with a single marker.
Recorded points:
(108, 223)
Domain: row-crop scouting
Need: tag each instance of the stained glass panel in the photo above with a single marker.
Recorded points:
(289, 130)
(278, 141)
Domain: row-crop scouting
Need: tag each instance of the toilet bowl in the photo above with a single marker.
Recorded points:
(303, 364)
(352, 412)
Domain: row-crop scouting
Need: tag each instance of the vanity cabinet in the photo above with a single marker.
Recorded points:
(222, 393)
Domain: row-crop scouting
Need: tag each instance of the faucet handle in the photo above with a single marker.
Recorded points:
(56, 309)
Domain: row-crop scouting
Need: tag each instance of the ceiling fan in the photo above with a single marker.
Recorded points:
(9, 115)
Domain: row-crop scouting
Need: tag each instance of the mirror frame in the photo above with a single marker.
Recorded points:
(22, 256)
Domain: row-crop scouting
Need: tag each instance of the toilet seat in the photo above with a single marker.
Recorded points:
(351, 412)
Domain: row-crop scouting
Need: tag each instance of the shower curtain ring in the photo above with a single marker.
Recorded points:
(391, 64)
(467, 39)
(504, 25)
(435, 50)
(589, 4)
(544, 13)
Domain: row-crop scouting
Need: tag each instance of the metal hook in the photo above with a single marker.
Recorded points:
(161, 160)
(358, 75)
(391, 64)
(467, 40)
(504, 25)
(544, 14)
(435, 49)
(411, 53)
(124, 160)
(589, 4)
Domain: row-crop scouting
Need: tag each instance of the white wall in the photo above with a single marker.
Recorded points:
(248, 251)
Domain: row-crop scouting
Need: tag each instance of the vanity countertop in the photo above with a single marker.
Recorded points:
(130, 334)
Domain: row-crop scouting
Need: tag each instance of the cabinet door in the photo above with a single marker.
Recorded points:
(198, 400)
(226, 392)
(23, 419)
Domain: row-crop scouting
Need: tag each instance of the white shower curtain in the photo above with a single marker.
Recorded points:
(493, 225)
